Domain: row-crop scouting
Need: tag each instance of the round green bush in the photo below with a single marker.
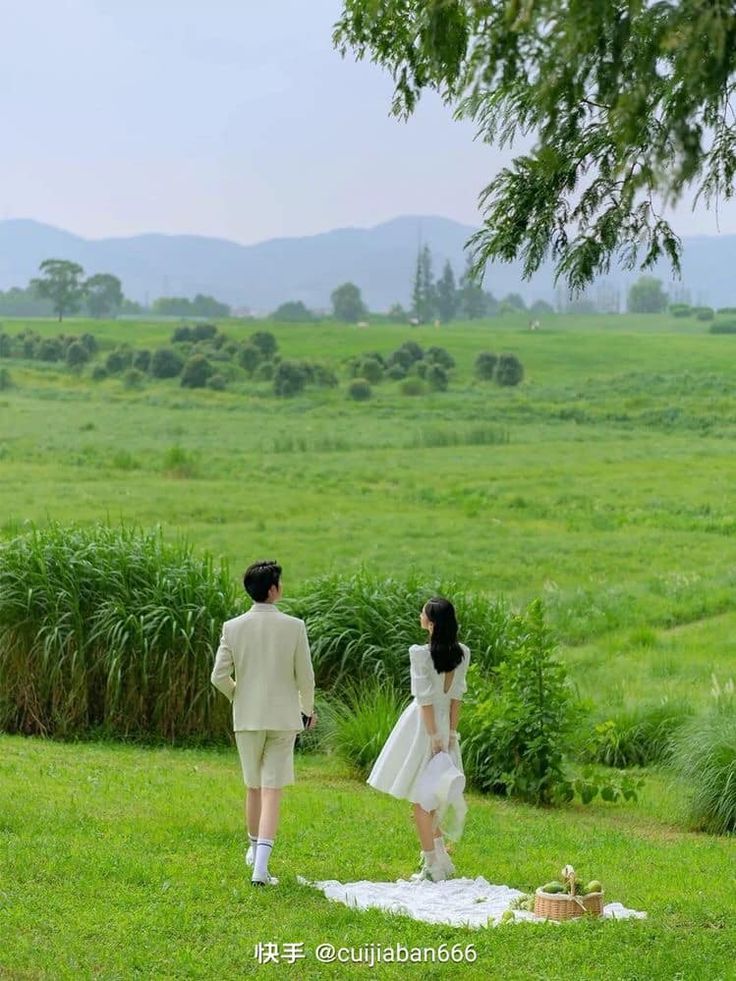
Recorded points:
(249, 357)
(723, 327)
(6, 381)
(265, 371)
(413, 386)
(266, 343)
(396, 372)
(705, 313)
(438, 355)
(196, 372)
(485, 365)
(359, 390)
(509, 370)
(401, 356)
(681, 310)
(142, 359)
(77, 355)
(166, 363)
(436, 378)
(217, 383)
(413, 349)
(181, 335)
(290, 378)
(99, 372)
(50, 349)
(323, 376)
(118, 360)
(203, 332)
(90, 342)
(420, 368)
(370, 369)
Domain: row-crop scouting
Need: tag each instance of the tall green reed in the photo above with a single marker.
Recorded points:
(110, 629)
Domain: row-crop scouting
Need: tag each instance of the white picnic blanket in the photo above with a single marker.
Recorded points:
(457, 902)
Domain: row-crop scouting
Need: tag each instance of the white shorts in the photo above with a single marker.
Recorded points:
(266, 756)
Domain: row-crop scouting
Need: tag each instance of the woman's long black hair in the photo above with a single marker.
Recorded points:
(443, 644)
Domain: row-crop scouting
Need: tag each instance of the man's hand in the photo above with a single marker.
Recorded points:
(312, 721)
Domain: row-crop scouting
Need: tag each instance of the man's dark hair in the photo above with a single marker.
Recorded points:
(259, 578)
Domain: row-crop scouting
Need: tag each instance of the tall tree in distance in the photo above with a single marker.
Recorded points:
(61, 282)
(104, 294)
(424, 299)
(347, 304)
(647, 296)
(448, 299)
(473, 300)
(628, 104)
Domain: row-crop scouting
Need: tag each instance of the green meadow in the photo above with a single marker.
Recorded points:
(603, 484)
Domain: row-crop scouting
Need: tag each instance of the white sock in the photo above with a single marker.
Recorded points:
(263, 853)
(429, 857)
(252, 840)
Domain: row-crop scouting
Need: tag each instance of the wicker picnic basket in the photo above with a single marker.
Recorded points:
(562, 906)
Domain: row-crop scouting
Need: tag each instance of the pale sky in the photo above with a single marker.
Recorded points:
(232, 118)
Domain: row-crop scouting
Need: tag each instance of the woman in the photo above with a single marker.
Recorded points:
(426, 727)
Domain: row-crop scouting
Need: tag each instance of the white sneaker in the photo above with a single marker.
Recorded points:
(250, 855)
(444, 861)
(270, 880)
(433, 873)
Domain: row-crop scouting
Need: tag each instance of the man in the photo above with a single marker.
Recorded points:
(273, 698)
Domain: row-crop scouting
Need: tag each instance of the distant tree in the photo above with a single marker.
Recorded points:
(61, 282)
(540, 308)
(17, 302)
(448, 299)
(515, 301)
(424, 300)
(347, 304)
(397, 314)
(208, 306)
(104, 294)
(181, 306)
(474, 301)
(196, 372)
(293, 311)
(647, 296)
(130, 307)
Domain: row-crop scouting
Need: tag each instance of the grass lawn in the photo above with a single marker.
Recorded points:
(124, 862)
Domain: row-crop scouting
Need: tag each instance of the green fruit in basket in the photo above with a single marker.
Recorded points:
(507, 916)
(553, 887)
(593, 886)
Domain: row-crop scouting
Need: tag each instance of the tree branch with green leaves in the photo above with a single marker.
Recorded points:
(628, 103)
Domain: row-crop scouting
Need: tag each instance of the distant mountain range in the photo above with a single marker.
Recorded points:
(259, 277)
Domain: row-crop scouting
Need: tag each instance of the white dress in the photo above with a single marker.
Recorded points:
(409, 748)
